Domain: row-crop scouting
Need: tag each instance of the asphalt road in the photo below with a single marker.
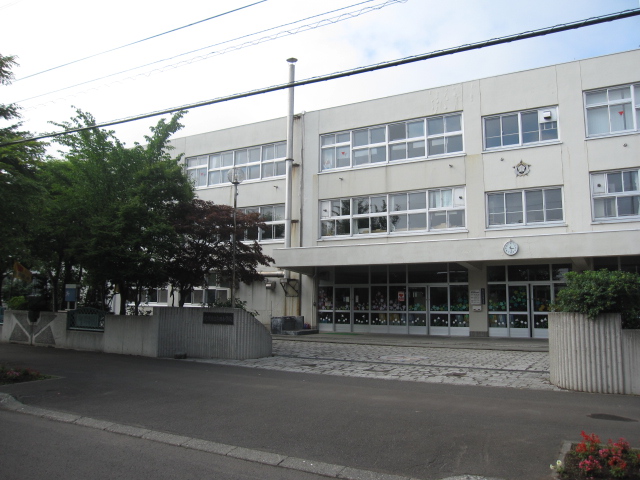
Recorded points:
(37, 448)
(425, 431)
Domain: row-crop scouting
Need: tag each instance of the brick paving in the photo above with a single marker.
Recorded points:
(429, 364)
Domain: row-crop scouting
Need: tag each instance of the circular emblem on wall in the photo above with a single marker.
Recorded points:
(522, 169)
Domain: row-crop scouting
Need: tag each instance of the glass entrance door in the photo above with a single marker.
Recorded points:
(540, 302)
(343, 309)
(518, 311)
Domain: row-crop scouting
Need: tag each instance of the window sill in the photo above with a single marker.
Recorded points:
(520, 147)
(493, 228)
(396, 234)
(610, 135)
(245, 182)
(605, 221)
(393, 162)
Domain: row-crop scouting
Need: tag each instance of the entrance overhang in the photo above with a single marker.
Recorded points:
(471, 252)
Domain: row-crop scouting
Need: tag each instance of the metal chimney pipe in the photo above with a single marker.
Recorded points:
(289, 159)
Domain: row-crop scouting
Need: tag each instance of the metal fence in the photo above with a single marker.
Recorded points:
(86, 318)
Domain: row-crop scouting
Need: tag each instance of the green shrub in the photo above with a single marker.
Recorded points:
(17, 303)
(603, 291)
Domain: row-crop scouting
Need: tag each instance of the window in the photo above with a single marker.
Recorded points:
(436, 209)
(335, 217)
(613, 110)
(616, 195)
(273, 217)
(517, 129)
(525, 207)
(425, 137)
(214, 289)
(157, 295)
(259, 162)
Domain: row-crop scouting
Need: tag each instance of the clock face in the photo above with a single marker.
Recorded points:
(510, 248)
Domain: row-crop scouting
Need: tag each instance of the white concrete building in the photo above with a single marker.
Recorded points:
(448, 211)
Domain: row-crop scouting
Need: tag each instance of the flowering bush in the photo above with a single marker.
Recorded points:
(591, 459)
(17, 375)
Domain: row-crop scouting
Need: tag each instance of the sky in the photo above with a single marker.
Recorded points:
(230, 56)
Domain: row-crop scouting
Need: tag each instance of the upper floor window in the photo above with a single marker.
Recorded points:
(258, 162)
(436, 209)
(616, 195)
(425, 137)
(521, 128)
(613, 110)
(273, 217)
(525, 207)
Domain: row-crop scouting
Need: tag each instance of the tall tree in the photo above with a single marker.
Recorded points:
(18, 190)
(126, 196)
(206, 243)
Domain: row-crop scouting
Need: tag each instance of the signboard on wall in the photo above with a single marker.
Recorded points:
(217, 318)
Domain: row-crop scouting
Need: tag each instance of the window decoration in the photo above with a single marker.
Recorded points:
(427, 210)
(518, 129)
(397, 296)
(615, 194)
(259, 162)
(525, 207)
(612, 110)
(413, 139)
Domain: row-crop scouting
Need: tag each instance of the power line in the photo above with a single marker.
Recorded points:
(357, 71)
(140, 41)
(280, 34)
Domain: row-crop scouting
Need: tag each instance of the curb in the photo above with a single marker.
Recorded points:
(7, 402)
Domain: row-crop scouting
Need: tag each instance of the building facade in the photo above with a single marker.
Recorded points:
(449, 211)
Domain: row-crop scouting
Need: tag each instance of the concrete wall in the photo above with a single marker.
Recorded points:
(169, 332)
(183, 331)
(594, 356)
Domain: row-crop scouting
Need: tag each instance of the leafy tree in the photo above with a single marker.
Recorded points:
(57, 229)
(18, 190)
(602, 291)
(205, 246)
(124, 199)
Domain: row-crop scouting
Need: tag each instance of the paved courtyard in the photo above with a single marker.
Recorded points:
(429, 364)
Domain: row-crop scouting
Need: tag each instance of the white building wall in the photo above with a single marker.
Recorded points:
(565, 163)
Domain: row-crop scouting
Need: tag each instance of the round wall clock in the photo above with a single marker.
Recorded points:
(510, 248)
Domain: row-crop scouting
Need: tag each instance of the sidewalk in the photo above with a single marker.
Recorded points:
(479, 343)
(488, 362)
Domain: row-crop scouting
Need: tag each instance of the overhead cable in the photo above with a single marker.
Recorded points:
(321, 23)
(142, 40)
(357, 71)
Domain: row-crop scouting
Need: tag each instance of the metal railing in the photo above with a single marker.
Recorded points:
(86, 318)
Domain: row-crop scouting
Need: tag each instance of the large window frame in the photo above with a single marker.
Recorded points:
(537, 126)
(434, 136)
(526, 207)
(612, 110)
(615, 195)
(258, 162)
(421, 211)
(273, 218)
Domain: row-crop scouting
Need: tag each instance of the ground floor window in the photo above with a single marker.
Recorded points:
(519, 298)
(630, 263)
(415, 299)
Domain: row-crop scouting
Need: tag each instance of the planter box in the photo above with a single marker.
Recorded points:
(593, 356)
